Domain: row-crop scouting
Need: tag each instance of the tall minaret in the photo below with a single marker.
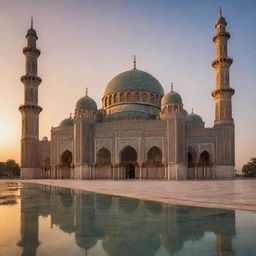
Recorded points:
(222, 93)
(30, 110)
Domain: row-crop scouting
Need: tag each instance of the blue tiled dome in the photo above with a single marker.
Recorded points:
(194, 117)
(171, 97)
(67, 122)
(134, 80)
(86, 102)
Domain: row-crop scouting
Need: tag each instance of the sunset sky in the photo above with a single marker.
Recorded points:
(85, 43)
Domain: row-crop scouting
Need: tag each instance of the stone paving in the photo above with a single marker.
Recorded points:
(229, 194)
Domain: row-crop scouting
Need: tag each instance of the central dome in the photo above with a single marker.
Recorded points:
(134, 80)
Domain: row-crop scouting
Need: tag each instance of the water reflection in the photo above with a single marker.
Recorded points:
(8, 195)
(123, 226)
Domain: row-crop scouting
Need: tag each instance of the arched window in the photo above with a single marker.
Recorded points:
(152, 99)
(115, 98)
(103, 156)
(128, 154)
(137, 96)
(205, 158)
(66, 158)
(144, 97)
(129, 97)
(191, 157)
(157, 99)
(154, 155)
(122, 98)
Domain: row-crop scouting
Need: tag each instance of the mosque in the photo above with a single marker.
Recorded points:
(140, 132)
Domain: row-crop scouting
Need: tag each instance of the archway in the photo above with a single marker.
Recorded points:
(205, 158)
(130, 171)
(128, 161)
(103, 164)
(66, 161)
(204, 165)
(46, 168)
(155, 168)
(192, 171)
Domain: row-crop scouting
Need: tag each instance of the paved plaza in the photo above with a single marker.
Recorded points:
(229, 194)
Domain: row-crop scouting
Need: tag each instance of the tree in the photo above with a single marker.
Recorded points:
(249, 169)
(1, 168)
(9, 168)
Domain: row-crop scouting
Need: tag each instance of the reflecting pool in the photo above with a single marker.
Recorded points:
(46, 220)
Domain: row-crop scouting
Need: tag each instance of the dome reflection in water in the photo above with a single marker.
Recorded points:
(98, 224)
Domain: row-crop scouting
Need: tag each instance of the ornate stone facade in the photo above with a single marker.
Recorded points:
(140, 132)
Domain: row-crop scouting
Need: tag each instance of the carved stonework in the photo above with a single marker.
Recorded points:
(63, 147)
(154, 141)
(103, 143)
(121, 143)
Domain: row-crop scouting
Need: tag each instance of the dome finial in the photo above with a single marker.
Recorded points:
(134, 62)
(171, 86)
(192, 111)
(220, 11)
(31, 21)
(86, 91)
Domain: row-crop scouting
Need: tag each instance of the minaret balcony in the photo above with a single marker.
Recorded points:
(221, 34)
(224, 92)
(36, 108)
(31, 50)
(222, 61)
(31, 78)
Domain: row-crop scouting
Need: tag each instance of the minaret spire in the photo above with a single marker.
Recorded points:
(134, 62)
(86, 91)
(31, 21)
(220, 11)
(222, 93)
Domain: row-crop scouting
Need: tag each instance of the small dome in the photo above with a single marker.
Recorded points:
(171, 97)
(134, 80)
(86, 102)
(67, 122)
(194, 117)
(31, 32)
(45, 138)
(221, 20)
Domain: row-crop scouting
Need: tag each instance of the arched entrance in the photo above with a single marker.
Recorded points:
(128, 162)
(66, 161)
(130, 171)
(192, 171)
(155, 168)
(46, 169)
(204, 165)
(103, 164)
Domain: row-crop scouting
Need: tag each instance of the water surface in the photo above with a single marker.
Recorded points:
(46, 220)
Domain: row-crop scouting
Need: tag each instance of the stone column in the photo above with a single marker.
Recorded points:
(140, 171)
(165, 172)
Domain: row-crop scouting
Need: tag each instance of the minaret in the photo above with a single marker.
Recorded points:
(222, 93)
(30, 110)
